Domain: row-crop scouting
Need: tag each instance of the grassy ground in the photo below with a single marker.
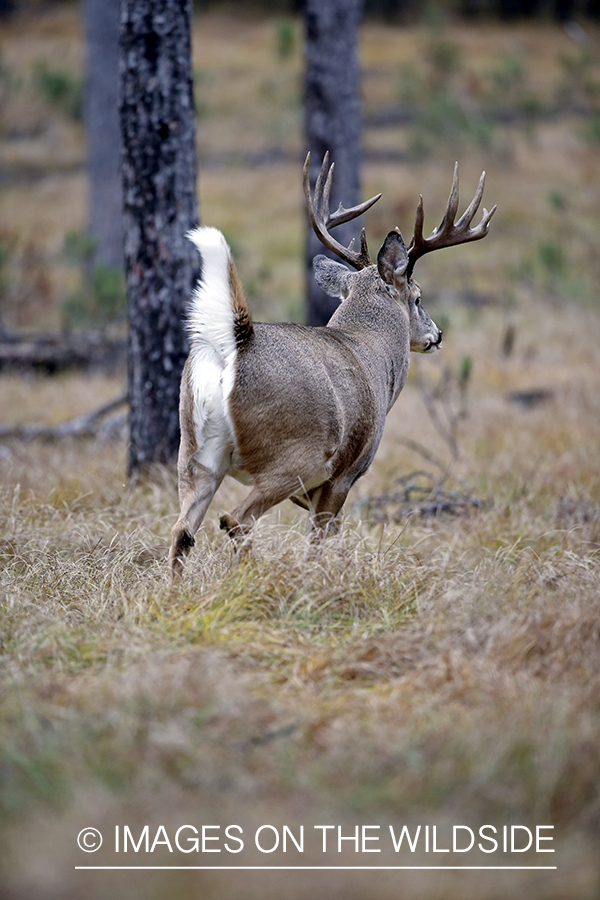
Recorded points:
(427, 670)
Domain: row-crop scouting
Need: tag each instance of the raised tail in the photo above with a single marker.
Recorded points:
(218, 312)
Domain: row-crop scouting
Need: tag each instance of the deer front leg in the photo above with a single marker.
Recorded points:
(197, 487)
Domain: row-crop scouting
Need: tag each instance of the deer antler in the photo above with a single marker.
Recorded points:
(322, 220)
(448, 234)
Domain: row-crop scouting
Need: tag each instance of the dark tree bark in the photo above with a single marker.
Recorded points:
(592, 9)
(159, 188)
(332, 110)
(103, 130)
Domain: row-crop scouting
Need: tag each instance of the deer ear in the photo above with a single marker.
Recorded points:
(392, 259)
(331, 276)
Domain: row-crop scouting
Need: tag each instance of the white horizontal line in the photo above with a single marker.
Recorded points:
(316, 868)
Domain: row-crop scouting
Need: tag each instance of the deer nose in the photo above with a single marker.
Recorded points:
(439, 340)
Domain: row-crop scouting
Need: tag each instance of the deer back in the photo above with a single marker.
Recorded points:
(322, 394)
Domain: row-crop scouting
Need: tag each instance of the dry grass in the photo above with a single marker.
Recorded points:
(430, 671)
(441, 671)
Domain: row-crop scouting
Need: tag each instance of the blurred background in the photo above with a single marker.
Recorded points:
(442, 664)
(510, 87)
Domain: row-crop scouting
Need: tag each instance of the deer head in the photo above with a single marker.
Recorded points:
(395, 262)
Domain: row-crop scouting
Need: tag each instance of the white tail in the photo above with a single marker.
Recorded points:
(298, 412)
(210, 316)
(213, 349)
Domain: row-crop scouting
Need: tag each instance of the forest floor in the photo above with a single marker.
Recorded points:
(440, 664)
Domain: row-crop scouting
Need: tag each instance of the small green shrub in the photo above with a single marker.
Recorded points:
(532, 106)
(590, 132)
(102, 301)
(60, 89)
(78, 247)
(103, 297)
(466, 369)
(285, 38)
(506, 80)
(444, 121)
(444, 57)
(557, 200)
(411, 88)
(552, 257)
(577, 83)
(4, 255)
(9, 82)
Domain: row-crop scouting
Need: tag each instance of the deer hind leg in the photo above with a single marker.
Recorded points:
(326, 503)
(262, 497)
(197, 487)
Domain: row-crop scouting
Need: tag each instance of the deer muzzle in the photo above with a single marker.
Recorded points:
(435, 345)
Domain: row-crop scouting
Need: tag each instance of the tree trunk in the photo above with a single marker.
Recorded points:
(160, 206)
(103, 131)
(332, 110)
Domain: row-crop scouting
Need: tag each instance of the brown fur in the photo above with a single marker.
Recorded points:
(308, 405)
(242, 325)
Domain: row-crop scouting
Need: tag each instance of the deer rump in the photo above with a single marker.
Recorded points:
(276, 403)
(303, 409)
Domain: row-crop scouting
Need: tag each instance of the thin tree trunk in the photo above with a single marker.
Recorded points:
(332, 111)
(103, 130)
(160, 206)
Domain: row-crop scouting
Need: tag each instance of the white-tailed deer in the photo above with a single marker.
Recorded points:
(294, 411)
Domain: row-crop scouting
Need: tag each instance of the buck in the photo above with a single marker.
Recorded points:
(298, 412)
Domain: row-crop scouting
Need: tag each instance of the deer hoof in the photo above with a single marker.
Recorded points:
(234, 529)
(182, 543)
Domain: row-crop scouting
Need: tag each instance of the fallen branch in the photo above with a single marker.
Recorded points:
(418, 494)
(94, 424)
(52, 353)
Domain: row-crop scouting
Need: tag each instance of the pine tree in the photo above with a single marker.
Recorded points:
(332, 122)
(159, 195)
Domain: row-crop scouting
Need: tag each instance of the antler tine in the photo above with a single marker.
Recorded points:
(364, 250)
(485, 221)
(417, 237)
(469, 213)
(321, 197)
(342, 215)
(482, 229)
(328, 183)
(448, 233)
(322, 221)
(452, 205)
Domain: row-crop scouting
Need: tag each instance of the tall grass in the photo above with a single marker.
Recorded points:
(438, 669)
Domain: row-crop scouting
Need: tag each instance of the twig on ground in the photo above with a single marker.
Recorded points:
(94, 424)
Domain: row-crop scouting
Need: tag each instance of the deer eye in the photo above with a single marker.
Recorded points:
(417, 301)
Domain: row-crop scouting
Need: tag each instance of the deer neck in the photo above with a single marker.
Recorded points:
(376, 327)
